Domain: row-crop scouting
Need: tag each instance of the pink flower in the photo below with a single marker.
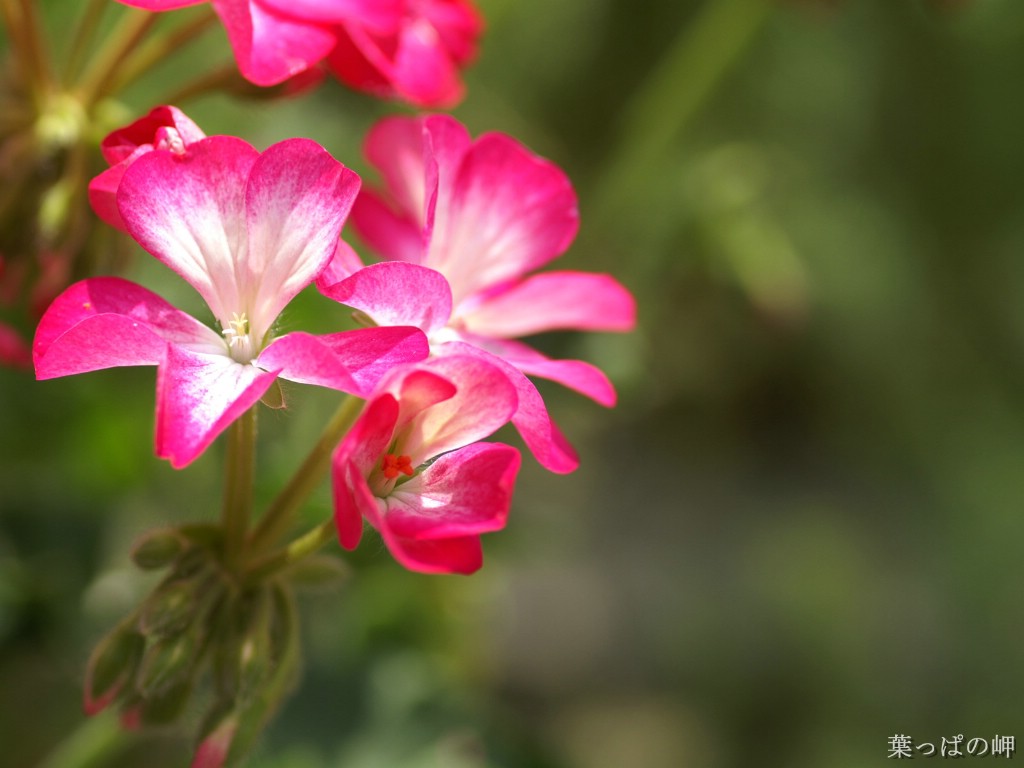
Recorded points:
(14, 352)
(418, 60)
(409, 49)
(412, 467)
(164, 128)
(464, 222)
(248, 231)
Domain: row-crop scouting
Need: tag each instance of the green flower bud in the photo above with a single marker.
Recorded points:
(158, 549)
(111, 666)
(319, 572)
(167, 663)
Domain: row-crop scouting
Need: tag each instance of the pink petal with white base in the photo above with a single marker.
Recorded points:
(540, 433)
(396, 293)
(423, 73)
(465, 492)
(297, 199)
(197, 396)
(553, 301)
(270, 47)
(344, 263)
(484, 400)
(511, 212)
(394, 236)
(189, 212)
(104, 322)
(145, 132)
(462, 555)
(351, 361)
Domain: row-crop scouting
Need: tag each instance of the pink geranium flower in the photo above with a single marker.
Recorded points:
(248, 231)
(164, 128)
(463, 222)
(411, 465)
(409, 49)
(418, 60)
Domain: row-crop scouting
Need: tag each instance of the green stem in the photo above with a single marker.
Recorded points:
(301, 548)
(239, 470)
(95, 743)
(279, 515)
(102, 70)
(84, 33)
(20, 30)
(211, 81)
(675, 91)
(158, 49)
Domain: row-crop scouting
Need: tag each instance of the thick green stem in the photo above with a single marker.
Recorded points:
(102, 70)
(677, 88)
(302, 547)
(279, 515)
(238, 478)
(95, 743)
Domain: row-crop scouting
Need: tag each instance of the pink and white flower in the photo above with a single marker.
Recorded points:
(164, 128)
(412, 467)
(248, 231)
(462, 223)
(407, 49)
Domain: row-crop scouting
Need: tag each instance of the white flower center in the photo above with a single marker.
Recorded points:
(241, 346)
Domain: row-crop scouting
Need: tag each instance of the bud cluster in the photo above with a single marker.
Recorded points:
(205, 638)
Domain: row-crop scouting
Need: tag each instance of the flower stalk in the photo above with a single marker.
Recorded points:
(281, 511)
(102, 72)
(238, 490)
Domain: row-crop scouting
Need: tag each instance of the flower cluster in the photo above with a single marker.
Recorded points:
(462, 221)
(460, 227)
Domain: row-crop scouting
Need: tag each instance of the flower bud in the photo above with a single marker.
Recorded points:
(111, 665)
(165, 706)
(166, 663)
(171, 608)
(157, 549)
(319, 572)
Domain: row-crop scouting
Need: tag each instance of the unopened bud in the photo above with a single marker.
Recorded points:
(213, 750)
(158, 549)
(165, 664)
(319, 572)
(111, 666)
(170, 609)
(165, 706)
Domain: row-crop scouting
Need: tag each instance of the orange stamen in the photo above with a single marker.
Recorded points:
(392, 465)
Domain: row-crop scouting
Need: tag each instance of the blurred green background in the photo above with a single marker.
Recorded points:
(798, 534)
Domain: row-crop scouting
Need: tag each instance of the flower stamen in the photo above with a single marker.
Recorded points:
(393, 465)
(237, 329)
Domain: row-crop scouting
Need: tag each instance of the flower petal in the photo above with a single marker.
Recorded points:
(270, 47)
(297, 200)
(511, 212)
(104, 322)
(161, 5)
(121, 144)
(465, 492)
(553, 301)
(351, 361)
(587, 379)
(198, 395)
(189, 212)
(484, 400)
(462, 554)
(396, 293)
(343, 263)
(353, 459)
(424, 74)
(390, 234)
(540, 433)
(378, 14)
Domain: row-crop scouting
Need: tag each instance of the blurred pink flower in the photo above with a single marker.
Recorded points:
(248, 231)
(14, 352)
(407, 49)
(418, 60)
(464, 222)
(412, 467)
(164, 128)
